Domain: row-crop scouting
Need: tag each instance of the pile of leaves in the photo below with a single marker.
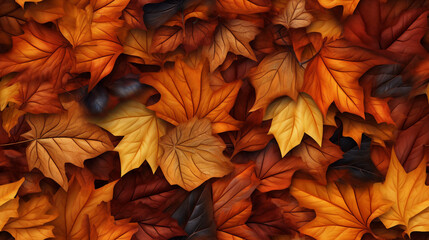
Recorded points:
(214, 119)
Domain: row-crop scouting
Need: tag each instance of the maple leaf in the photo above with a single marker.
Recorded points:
(40, 51)
(291, 119)
(332, 76)
(294, 15)
(175, 83)
(191, 155)
(354, 208)
(32, 217)
(45, 11)
(317, 158)
(277, 75)
(232, 36)
(231, 204)
(409, 194)
(274, 172)
(138, 43)
(141, 130)
(63, 138)
(8, 203)
(305, 45)
(75, 26)
(243, 6)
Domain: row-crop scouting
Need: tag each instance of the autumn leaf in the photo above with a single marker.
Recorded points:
(354, 208)
(332, 76)
(182, 80)
(294, 15)
(277, 75)
(292, 119)
(326, 24)
(409, 194)
(32, 219)
(45, 11)
(8, 203)
(22, 2)
(63, 138)
(317, 158)
(75, 26)
(243, 6)
(348, 5)
(231, 204)
(191, 155)
(40, 51)
(232, 36)
(275, 172)
(7, 92)
(141, 130)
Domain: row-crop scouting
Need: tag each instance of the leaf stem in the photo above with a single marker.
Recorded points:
(16, 143)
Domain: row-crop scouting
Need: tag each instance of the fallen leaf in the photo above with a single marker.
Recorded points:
(7, 92)
(294, 15)
(348, 5)
(292, 119)
(277, 75)
(63, 138)
(243, 6)
(45, 11)
(175, 83)
(409, 194)
(354, 208)
(232, 36)
(141, 130)
(9, 203)
(22, 2)
(192, 155)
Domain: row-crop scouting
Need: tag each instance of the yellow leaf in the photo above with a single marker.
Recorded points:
(138, 43)
(10, 117)
(8, 203)
(292, 119)
(409, 194)
(141, 130)
(63, 138)
(192, 155)
(342, 212)
(326, 24)
(7, 92)
(31, 219)
(233, 36)
(294, 15)
(277, 75)
(349, 6)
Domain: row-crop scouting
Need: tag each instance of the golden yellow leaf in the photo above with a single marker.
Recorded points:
(349, 6)
(7, 92)
(8, 203)
(277, 75)
(31, 220)
(63, 138)
(342, 212)
(138, 43)
(409, 194)
(141, 130)
(326, 24)
(294, 15)
(292, 119)
(233, 36)
(192, 155)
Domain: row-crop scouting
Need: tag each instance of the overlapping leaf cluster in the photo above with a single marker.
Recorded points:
(214, 119)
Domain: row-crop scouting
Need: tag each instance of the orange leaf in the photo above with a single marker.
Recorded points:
(243, 6)
(45, 11)
(186, 93)
(332, 76)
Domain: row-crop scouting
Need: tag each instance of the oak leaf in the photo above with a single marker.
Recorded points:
(292, 119)
(354, 208)
(186, 93)
(409, 194)
(141, 130)
(294, 15)
(231, 36)
(192, 155)
(63, 138)
(8, 203)
(317, 158)
(278, 74)
(332, 76)
(31, 220)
